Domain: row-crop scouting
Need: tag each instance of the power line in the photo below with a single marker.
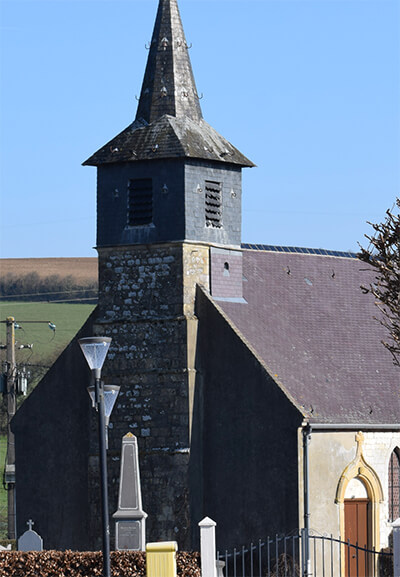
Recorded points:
(73, 300)
(49, 293)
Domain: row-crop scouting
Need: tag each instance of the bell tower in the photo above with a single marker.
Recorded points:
(169, 176)
(168, 194)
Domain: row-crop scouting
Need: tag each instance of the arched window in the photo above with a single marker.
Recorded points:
(394, 485)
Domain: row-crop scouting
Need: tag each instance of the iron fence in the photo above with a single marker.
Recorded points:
(282, 556)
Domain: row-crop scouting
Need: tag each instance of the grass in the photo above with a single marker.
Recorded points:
(47, 344)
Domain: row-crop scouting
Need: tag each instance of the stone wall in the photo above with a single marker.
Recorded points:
(378, 447)
(330, 454)
(146, 300)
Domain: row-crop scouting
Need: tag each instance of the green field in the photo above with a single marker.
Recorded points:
(47, 344)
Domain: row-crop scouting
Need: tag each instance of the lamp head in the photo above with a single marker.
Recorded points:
(110, 394)
(95, 351)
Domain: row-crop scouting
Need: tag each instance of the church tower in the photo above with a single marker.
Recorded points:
(168, 207)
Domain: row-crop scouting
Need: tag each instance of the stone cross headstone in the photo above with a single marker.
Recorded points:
(130, 531)
(30, 540)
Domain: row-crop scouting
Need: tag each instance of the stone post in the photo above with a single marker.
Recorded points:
(207, 548)
(130, 518)
(396, 548)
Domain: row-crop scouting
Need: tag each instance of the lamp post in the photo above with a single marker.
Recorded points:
(103, 398)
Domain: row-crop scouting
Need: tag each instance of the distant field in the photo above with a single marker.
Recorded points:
(80, 268)
(47, 345)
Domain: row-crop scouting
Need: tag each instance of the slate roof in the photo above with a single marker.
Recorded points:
(168, 84)
(169, 121)
(311, 324)
(169, 137)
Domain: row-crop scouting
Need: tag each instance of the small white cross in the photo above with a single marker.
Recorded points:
(30, 524)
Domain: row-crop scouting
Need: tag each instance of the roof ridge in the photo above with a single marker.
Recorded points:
(299, 250)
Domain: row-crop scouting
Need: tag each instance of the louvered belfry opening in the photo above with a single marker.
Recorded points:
(213, 199)
(140, 202)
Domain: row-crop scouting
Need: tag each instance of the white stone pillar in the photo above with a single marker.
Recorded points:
(396, 548)
(207, 548)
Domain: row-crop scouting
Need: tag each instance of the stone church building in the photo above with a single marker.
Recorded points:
(226, 353)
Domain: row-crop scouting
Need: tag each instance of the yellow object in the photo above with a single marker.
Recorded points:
(161, 559)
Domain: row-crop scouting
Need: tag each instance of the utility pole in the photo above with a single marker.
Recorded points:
(11, 408)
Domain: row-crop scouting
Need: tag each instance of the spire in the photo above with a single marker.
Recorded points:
(168, 84)
(169, 122)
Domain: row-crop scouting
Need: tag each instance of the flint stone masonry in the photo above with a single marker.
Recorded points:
(147, 308)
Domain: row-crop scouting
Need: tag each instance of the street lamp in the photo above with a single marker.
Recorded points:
(103, 398)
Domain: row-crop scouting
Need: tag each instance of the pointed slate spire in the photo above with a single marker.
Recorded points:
(169, 122)
(168, 85)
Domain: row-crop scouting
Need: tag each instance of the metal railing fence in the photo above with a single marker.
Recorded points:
(281, 557)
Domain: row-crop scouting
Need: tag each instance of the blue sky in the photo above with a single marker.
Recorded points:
(307, 89)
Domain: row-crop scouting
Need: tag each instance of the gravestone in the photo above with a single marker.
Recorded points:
(30, 540)
(130, 530)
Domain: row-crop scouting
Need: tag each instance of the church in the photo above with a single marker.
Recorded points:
(239, 365)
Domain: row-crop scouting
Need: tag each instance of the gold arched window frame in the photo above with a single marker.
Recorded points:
(359, 468)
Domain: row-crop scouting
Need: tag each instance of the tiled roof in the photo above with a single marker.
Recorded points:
(309, 321)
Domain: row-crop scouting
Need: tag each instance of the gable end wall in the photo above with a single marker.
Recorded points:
(244, 440)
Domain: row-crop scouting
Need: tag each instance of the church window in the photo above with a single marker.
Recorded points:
(394, 485)
(140, 202)
(213, 198)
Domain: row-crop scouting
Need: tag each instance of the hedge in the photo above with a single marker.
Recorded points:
(87, 564)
